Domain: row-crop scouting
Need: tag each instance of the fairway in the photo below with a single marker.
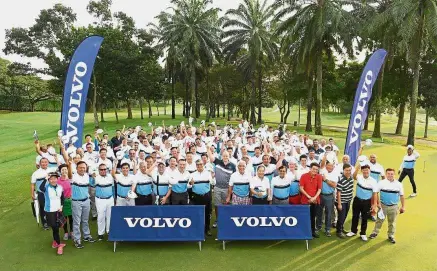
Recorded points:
(24, 246)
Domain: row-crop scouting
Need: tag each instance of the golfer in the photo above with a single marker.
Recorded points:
(53, 207)
(390, 193)
(407, 167)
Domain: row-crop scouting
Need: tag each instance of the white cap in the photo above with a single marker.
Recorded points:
(410, 147)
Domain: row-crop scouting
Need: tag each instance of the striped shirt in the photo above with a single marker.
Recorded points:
(346, 188)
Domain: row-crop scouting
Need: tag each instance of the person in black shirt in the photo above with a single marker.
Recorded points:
(117, 140)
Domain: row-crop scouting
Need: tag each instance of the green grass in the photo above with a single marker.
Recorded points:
(24, 246)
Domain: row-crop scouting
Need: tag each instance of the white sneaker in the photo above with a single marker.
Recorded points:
(364, 238)
(413, 195)
(350, 234)
(65, 236)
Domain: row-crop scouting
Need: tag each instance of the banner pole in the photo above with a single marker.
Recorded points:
(115, 246)
(200, 245)
(224, 245)
(307, 244)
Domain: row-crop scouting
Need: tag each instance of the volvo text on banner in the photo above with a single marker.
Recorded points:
(76, 89)
(264, 222)
(157, 223)
(361, 103)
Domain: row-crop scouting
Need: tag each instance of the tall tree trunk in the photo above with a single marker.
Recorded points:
(129, 109)
(150, 109)
(208, 105)
(260, 102)
(173, 100)
(252, 104)
(318, 117)
(425, 135)
(218, 110)
(102, 119)
(229, 112)
(157, 108)
(141, 108)
(187, 99)
(415, 91)
(196, 91)
(400, 124)
(165, 107)
(298, 118)
(288, 112)
(378, 104)
(309, 127)
(224, 111)
(183, 107)
(116, 113)
(96, 116)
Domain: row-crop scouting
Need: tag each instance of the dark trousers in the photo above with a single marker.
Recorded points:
(342, 216)
(179, 198)
(69, 222)
(42, 213)
(362, 207)
(410, 173)
(204, 200)
(258, 201)
(327, 206)
(51, 219)
(144, 200)
(313, 214)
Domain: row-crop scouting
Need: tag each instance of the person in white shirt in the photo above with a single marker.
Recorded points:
(90, 156)
(179, 184)
(53, 206)
(239, 186)
(88, 140)
(390, 193)
(327, 197)
(260, 187)
(38, 177)
(80, 182)
(376, 169)
(280, 188)
(249, 167)
(104, 199)
(201, 181)
(124, 183)
(131, 161)
(345, 160)
(366, 192)
(407, 167)
(143, 185)
(161, 184)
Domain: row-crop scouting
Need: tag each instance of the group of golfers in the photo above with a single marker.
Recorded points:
(211, 165)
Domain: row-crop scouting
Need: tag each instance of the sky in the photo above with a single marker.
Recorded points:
(22, 13)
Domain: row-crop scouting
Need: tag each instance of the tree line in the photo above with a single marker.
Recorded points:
(239, 61)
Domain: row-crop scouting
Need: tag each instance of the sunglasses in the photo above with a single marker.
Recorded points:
(102, 169)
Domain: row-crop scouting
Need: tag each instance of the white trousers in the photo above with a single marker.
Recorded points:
(103, 207)
(125, 202)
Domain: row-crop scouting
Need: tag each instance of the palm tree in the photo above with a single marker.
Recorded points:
(384, 36)
(191, 34)
(416, 30)
(312, 28)
(248, 40)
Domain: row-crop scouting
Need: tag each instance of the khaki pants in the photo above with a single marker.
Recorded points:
(390, 212)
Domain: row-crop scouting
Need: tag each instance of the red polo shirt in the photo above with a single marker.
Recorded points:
(310, 184)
